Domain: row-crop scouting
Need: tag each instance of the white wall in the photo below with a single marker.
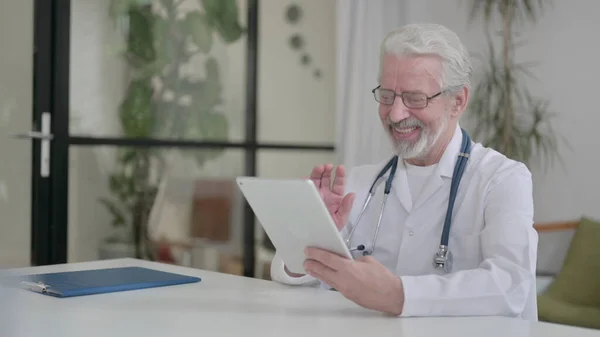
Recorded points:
(16, 71)
(565, 43)
(293, 105)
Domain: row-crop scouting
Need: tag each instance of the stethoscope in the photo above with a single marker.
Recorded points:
(443, 258)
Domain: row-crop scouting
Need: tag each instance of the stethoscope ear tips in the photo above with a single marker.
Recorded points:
(361, 248)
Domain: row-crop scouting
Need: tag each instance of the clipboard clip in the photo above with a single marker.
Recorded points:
(39, 287)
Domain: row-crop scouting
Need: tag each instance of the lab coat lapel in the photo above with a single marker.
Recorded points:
(445, 169)
(401, 187)
(434, 183)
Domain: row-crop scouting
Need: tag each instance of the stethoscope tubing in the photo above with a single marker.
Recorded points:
(391, 166)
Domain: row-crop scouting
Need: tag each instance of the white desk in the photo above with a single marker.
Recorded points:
(226, 305)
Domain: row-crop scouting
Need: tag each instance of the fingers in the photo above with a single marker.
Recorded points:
(322, 175)
(339, 180)
(330, 260)
(326, 177)
(322, 272)
(347, 202)
(346, 207)
(366, 259)
(316, 175)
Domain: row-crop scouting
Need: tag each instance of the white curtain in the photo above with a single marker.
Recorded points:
(361, 26)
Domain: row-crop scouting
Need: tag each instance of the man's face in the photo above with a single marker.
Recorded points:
(413, 130)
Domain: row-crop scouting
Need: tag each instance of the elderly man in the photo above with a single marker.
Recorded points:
(409, 261)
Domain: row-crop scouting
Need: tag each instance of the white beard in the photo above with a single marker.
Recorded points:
(427, 137)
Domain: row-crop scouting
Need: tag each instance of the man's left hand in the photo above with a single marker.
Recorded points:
(364, 281)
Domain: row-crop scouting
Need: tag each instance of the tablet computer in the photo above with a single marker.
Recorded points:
(294, 217)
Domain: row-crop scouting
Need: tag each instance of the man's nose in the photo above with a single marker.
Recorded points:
(399, 111)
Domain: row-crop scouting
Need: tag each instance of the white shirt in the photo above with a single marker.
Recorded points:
(417, 178)
(492, 238)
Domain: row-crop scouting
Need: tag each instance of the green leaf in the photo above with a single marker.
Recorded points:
(135, 113)
(119, 8)
(128, 156)
(140, 44)
(206, 93)
(161, 29)
(521, 10)
(117, 213)
(229, 32)
(212, 70)
(161, 38)
(211, 7)
(214, 127)
(198, 27)
(161, 114)
(223, 15)
(113, 183)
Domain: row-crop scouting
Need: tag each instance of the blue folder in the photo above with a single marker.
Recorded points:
(101, 281)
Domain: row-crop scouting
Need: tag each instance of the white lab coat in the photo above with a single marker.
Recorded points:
(492, 237)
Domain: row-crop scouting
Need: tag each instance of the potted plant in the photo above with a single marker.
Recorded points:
(506, 116)
(163, 102)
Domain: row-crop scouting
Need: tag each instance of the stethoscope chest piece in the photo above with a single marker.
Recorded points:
(443, 259)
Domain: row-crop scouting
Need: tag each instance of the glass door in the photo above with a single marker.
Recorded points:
(16, 83)
(27, 140)
(159, 104)
(156, 129)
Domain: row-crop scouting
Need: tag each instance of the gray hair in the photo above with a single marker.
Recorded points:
(432, 39)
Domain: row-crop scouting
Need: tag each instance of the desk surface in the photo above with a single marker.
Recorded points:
(227, 305)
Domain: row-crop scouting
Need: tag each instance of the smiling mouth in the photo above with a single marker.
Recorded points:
(404, 133)
(405, 130)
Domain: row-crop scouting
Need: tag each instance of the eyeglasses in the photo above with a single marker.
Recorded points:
(413, 100)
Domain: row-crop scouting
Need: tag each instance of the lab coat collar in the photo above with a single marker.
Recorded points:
(445, 169)
(448, 161)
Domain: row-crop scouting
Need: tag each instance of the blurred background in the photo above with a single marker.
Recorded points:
(124, 123)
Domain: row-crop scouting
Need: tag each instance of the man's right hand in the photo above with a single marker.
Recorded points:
(338, 204)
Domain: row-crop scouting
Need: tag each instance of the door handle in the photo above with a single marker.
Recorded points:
(33, 135)
(45, 137)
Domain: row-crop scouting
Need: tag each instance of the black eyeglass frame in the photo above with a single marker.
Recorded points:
(401, 95)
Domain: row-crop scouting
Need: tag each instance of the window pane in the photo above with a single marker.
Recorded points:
(186, 200)
(146, 73)
(296, 102)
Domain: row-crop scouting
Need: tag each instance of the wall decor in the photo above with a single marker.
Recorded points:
(297, 41)
(293, 16)
(306, 59)
(293, 13)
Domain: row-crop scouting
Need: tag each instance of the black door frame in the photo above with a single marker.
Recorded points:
(51, 94)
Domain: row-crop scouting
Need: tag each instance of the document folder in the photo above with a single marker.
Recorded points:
(100, 281)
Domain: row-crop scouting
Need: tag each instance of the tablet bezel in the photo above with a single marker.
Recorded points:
(294, 216)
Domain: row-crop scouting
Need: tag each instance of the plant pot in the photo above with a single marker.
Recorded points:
(115, 250)
(119, 244)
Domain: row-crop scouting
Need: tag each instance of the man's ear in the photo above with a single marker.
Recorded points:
(459, 102)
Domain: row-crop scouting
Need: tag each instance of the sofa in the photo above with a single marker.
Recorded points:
(572, 296)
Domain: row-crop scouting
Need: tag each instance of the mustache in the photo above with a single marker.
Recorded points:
(406, 123)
